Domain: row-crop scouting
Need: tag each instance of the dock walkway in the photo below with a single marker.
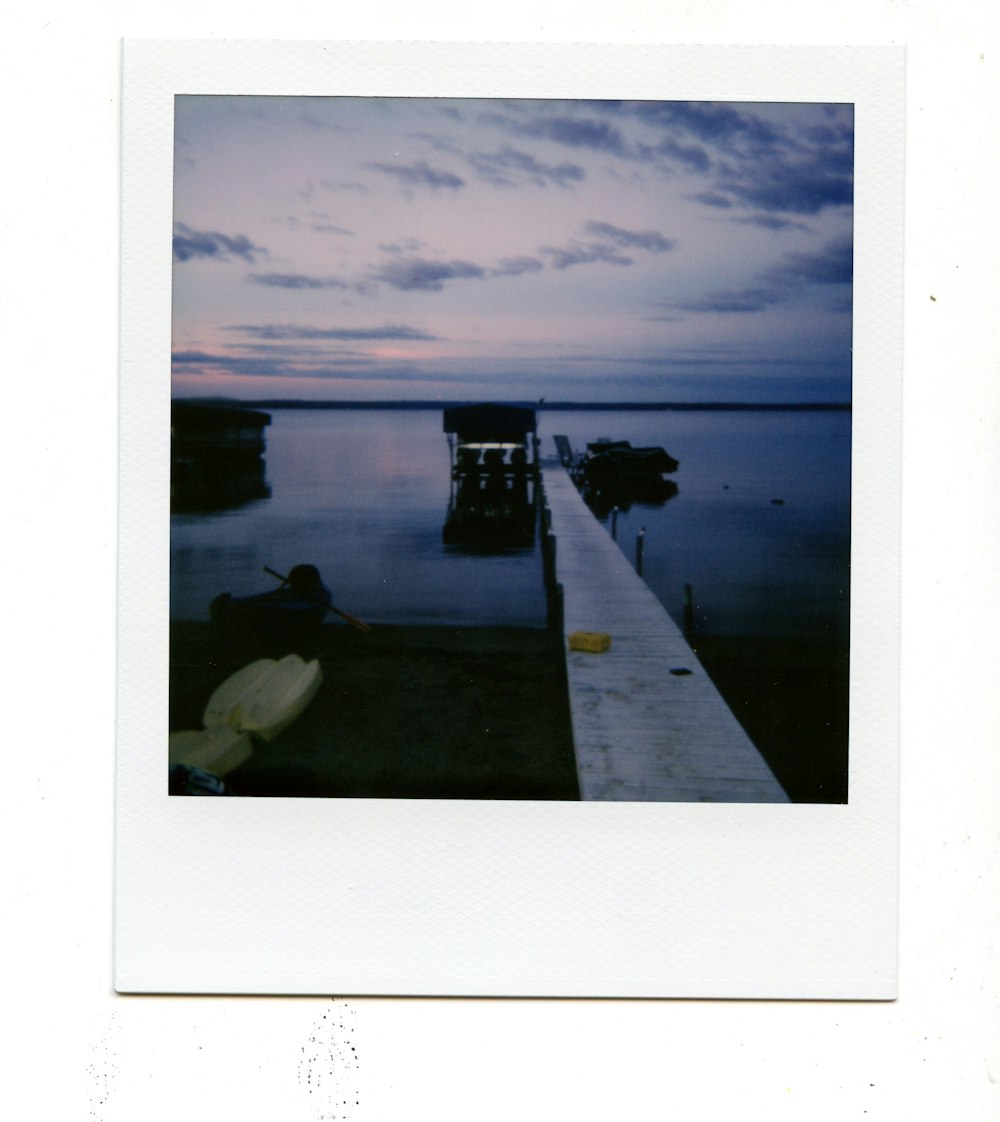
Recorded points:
(642, 731)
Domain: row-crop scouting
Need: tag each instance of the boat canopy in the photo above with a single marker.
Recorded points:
(490, 423)
(207, 416)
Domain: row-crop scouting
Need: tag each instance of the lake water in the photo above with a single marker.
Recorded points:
(363, 495)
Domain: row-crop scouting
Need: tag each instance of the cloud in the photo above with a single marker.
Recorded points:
(419, 174)
(329, 228)
(821, 134)
(754, 162)
(608, 250)
(692, 156)
(516, 266)
(714, 123)
(295, 280)
(507, 166)
(631, 239)
(800, 186)
(573, 132)
(579, 254)
(770, 222)
(291, 363)
(752, 299)
(420, 274)
(713, 199)
(781, 283)
(391, 332)
(404, 245)
(198, 361)
(295, 362)
(834, 264)
(190, 243)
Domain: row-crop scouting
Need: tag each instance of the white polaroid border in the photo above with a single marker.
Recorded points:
(351, 897)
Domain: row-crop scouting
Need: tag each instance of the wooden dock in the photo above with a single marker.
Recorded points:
(648, 723)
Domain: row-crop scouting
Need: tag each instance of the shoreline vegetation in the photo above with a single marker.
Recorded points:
(541, 406)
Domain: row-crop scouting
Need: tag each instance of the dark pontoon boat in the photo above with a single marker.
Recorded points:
(494, 476)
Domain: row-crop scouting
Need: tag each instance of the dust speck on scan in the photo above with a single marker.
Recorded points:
(102, 1071)
(328, 1063)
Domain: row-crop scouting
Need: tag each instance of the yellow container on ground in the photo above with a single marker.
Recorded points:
(595, 641)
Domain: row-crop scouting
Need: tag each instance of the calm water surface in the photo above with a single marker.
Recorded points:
(364, 494)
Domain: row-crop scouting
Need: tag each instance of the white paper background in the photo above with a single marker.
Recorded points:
(930, 1054)
(422, 897)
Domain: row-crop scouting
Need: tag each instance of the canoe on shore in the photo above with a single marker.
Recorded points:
(279, 622)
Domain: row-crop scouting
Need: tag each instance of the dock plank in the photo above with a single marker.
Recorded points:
(641, 734)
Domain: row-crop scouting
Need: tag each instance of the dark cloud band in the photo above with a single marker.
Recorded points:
(190, 243)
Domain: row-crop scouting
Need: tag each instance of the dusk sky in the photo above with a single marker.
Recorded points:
(383, 249)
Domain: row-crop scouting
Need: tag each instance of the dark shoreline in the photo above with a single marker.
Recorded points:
(403, 712)
(792, 697)
(482, 713)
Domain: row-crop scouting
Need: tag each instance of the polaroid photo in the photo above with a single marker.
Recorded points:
(510, 458)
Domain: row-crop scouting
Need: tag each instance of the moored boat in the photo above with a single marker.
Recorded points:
(216, 455)
(494, 476)
(613, 473)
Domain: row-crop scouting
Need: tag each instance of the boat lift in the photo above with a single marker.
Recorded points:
(494, 475)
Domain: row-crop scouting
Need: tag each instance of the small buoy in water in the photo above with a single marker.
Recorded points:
(778, 502)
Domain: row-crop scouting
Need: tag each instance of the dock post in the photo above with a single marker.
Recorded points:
(555, 606)
(640, 542)
(614, 523)
(688, 613)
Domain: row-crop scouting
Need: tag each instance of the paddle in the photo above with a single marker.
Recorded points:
(359, 624)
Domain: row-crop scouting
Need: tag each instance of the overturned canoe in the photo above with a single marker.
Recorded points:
(264, 697)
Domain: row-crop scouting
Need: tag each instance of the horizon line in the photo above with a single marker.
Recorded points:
(402, 403)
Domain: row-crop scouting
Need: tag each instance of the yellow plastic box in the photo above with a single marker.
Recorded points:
(596, 641)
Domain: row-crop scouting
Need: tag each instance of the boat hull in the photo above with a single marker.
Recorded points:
(265, 697)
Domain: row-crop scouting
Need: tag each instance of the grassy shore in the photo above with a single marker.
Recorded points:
(404, 712)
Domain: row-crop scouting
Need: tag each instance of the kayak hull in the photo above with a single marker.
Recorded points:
(265, 697)
(218, 750)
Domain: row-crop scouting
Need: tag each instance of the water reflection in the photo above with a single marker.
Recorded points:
(203, 484)
(364, 496)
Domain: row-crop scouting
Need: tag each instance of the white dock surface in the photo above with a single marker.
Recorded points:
(641, 733)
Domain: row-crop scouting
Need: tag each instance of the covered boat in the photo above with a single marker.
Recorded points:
(494, 475)
(613, 473)
(216, 455)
